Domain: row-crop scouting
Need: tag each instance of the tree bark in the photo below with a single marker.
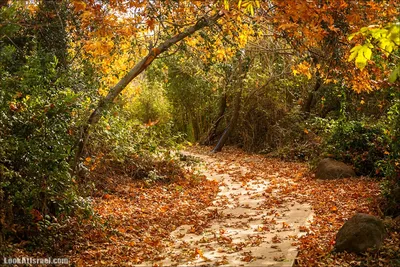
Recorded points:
(212, 133)
(243, 67)
(104, 104)
(232, 123)
(309, 102)
(195, 126)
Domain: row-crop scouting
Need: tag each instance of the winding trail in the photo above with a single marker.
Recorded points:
(255, 219)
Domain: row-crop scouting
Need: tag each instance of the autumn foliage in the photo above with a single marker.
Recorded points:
(97, 97)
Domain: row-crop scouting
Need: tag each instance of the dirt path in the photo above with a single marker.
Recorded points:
(241, 210)
(253, 221)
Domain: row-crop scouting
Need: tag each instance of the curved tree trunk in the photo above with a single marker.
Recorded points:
(212, 132)
(232, 123)
(243, 67)
(106, 102)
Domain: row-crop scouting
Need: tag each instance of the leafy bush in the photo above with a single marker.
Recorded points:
(361, 145)
(293, 138)
(41, 99)
(130, 145)
(36, 114)
(391, 166)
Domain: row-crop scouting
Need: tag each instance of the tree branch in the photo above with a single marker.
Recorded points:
(133, 73)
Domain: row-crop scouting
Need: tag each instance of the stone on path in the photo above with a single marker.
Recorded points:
(360, 233)
(333, 169)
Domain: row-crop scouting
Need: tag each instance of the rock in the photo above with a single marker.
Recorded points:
(361, 232)
(333, 169)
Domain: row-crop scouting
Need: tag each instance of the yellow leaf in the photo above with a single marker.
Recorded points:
(364, 54)
(354, 52)
(226, 4)
(361, 61)
(251, 10)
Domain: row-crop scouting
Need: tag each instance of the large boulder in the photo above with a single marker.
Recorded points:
(360, 233)
(333, 169)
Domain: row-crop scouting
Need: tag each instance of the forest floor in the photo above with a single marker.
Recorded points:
(234, 209)
(249, 225)
(230, 209)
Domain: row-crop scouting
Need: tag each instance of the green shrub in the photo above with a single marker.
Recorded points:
(391, 166)
(293, 138)
(133, 146)
(37, 107)
(361, 145)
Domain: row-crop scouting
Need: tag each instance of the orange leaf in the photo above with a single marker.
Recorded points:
(199, 252)
(150, 24)
(106, 196)
(79, 5)
(13, 107)
(37, 216)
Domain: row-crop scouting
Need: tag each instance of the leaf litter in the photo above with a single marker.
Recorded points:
(145, 223)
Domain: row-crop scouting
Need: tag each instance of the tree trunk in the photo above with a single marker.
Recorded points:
(105, 103)
(243, 67)
(196, 127)
(232, 123)
(309, 102)
(212, 133)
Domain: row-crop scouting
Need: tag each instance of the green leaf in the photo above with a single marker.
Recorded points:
(394, 75)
